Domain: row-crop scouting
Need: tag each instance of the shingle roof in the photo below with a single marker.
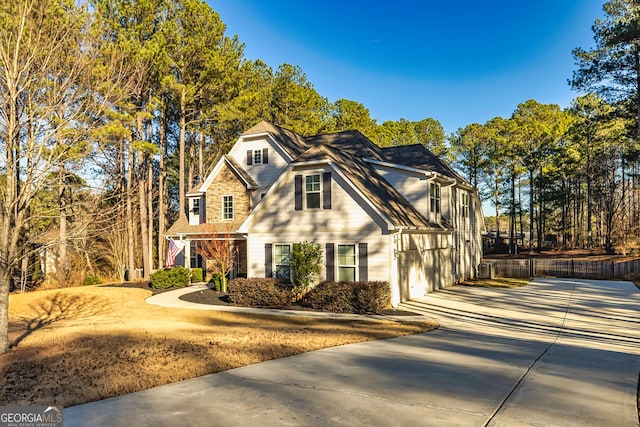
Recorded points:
(353, 142)
(293, 143)
(181, 226)
(419, 157)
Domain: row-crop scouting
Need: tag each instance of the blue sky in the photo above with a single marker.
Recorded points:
(459, 62)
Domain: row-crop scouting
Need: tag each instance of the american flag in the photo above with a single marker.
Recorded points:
(175, 247)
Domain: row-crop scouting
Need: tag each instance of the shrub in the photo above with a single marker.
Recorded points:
(170, 277)
(215, 282)
(306, 264)
(350, 297)
(331, 296)
(196, 275)
(258, 292)
(92, 280)
(372, 297)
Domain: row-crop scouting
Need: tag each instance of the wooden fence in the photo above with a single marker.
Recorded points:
(579, 269)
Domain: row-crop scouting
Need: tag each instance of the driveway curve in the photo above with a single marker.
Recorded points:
(558, 352)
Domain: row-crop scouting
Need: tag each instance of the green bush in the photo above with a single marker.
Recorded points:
(215, 282)
(196, 275)
(258, 292)
(350, 297)
(92, 280)
(306, 264)
(170, 277)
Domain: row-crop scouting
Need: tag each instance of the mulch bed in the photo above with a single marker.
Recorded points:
(212, 297)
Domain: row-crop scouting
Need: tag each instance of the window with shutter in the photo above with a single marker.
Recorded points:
(312, 191)
(347, 263)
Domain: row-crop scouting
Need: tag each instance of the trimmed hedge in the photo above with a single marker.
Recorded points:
(177, 277)
(196, 275)
(349, 297)
(258, 292)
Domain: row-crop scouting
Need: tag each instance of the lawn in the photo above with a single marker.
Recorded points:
(498, 282)
(78, 345)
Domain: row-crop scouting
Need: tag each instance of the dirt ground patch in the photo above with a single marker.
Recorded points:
(78, 345)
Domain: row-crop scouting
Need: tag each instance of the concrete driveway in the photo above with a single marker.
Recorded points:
(558, 352)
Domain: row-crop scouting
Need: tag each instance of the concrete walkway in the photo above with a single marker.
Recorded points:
(554, 353)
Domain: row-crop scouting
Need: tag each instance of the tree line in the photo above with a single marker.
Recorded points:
(569, 177)
(111, 110)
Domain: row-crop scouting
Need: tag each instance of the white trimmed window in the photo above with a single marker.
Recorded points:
(312, 191)
(282, 260)
(434, 197)
(257, 157)
(347, 262)
(465, 204)
(227, 207)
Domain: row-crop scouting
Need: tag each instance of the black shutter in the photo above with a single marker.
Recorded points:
(249, 157)
(330, 258)
(298, 192)
(326, 190)
(265, 155)
(363, 263)
(268, 260)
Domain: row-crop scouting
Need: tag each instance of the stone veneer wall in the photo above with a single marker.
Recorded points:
(227, 184)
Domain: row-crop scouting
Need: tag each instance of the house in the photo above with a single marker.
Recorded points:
(395, 214)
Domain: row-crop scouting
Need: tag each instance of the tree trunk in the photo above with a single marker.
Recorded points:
(62, 264)
(183, 128)
(531, 213)
(162, 179)
(513, 240)
(150, 221)
(201, 155)
(146, 259)
(131, 243)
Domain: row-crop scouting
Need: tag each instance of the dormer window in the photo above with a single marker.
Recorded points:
(195, 211)
(312, 191)
(258, 157)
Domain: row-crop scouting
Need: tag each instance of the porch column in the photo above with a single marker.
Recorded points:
(187, 253)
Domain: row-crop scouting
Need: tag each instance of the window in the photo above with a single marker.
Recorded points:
(465, 205)
(434, 197)
(194, 211)
(312, 191)
(346, 262)
(282, 260)
(257, 157)
(227, 207)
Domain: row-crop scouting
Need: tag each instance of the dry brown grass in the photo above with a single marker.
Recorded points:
(498, 282)
(78, 345)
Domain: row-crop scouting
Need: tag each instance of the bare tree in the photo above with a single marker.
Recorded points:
(220, 252)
